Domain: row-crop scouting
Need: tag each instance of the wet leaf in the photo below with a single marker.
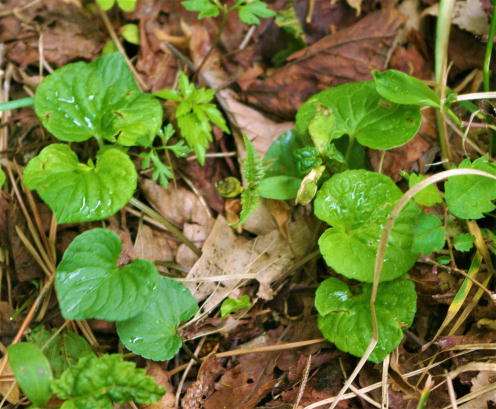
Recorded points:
(345, 319)
(98, 99)
(430, 235)
(401, 88)
(357, 203)
(32, 371)
(153, 333)
(463, 242)
(357, 110)
(78, 192)
(469, 197)
(89, 283)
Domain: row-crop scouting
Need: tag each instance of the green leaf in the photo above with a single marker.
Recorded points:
(359, 111)
(103, 380)
(251, 11)
(401, 88)
(253, 173)
(32, 371)
(63, 349)
(3, 177)
(279, 187)
(232, 305)
(428, 196)
(98, 99)
(127, 5)
(463, 242)
(77, 192)
(309, 186)
(471, 196)
(205, 8)
(153, 333)
(345, 319)
(444, 260)
(229, 187)
(195, 114)
(321, 127)
(430, 235)
(130, 32)
(105, 4)
(89, 283)
(357, 203)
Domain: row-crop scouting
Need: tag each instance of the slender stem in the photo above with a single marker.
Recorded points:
(473, 96)
(441, 64)
(486, 70)
(175, 231)
(16, 103)
(349, 149)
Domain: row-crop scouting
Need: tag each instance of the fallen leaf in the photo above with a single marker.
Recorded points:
(69, 32)
(348, 55)
(161, 377)
(9, 388)
(244, 385)
(153, 244)
(204, 386)
(231, 259)
(483, 379)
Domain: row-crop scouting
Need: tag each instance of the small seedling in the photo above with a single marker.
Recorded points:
(195, 114)
(250, 11)
(344, 318)
(124, 5)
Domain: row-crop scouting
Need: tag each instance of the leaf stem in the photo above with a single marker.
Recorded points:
(16, 103)
(486, 70)
(443, 28)
(175, 231)
(349, 149)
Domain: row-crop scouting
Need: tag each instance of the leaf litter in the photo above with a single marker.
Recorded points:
(235, 362)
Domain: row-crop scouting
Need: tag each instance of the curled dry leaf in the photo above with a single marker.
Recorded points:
(348, 55)
(230, 260)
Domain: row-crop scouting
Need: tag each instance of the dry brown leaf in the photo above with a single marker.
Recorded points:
(161, 378)
(243, 386)
(348, 55)
(483, 379)
(203, 387)
(9, 387)
(69, 32)
(229, 260)
(153, 244)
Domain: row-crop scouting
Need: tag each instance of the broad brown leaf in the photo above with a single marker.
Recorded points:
(348, 55)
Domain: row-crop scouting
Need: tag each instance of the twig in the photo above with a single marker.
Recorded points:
(303, 382)
(115, 39)
(188, 368)
(166, 223)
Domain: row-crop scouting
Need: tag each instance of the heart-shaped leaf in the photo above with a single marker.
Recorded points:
(357, 110)
(77, 192)
(357, 203)
(32, 371)
(89, 283)
(153, 333)
(401, 88)
(345, 319)
(469, 197)
(98, 99)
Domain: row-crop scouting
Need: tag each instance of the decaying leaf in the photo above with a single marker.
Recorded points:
(229, 260)
(348, 55)
(161, 377)
(9, 388)
(204, 386)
